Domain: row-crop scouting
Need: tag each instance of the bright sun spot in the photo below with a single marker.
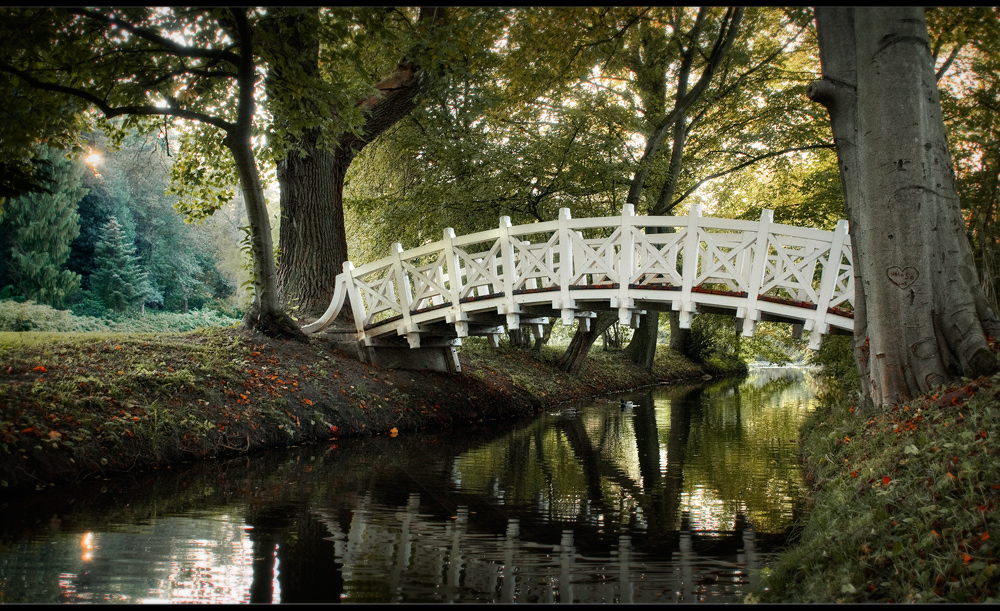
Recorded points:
(93, 158)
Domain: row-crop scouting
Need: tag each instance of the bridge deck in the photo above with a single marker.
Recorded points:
(514, 276)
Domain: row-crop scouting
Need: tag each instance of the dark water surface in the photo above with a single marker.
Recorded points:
(680, 498)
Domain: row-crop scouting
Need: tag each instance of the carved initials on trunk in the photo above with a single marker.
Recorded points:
(903, 278)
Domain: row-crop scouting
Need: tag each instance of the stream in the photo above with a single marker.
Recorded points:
(682, 497)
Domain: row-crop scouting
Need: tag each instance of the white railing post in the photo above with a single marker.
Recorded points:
(758, 268)
(405, 292)
(690, 269)
(565, 303)
(455, 314)
(626, 265)
(356, 300)
(508, 307)
(828, 281)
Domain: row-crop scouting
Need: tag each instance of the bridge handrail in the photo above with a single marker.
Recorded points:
(727, 254)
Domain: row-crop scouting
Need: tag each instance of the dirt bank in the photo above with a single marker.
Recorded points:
(81, 406)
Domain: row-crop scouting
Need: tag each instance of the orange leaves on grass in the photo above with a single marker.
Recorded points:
(307, 401)
(886, 480)
(393, 432)
(40, 369)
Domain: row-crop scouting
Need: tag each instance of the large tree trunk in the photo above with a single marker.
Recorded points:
(921, 318)
(312, 236)
(312, 240)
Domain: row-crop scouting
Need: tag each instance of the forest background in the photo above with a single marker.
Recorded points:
(139, 221)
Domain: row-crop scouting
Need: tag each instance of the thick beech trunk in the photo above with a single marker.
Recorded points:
(921, 318)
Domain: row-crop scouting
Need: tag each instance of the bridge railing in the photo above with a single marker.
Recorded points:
(568, 263)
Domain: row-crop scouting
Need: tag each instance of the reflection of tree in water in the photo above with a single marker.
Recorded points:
(571, 507)
(745, 450)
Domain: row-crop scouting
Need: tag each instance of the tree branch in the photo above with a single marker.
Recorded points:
(948, 62)
(117, 111)
(724, 42)
(168, 44)
(746, 163)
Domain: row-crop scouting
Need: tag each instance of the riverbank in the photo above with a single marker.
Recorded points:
(93, 405)
(904, 507)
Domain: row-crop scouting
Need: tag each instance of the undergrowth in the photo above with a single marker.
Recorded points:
(32, 317)
(904, 504)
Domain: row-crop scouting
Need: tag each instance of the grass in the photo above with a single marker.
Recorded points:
(79, 405)
(532, 372)
(904, 505)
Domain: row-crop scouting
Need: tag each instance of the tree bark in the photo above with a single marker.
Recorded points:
(265, 314)
(573, 358)
(312, 236)
(921, 317)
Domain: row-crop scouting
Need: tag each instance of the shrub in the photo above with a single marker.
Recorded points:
(838, 373)
(31, 316)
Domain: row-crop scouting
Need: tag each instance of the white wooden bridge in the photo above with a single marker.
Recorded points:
(427, 298)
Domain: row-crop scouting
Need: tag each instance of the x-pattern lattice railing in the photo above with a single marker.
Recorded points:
(628, 263)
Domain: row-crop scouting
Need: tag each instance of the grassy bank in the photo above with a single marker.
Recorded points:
(904, 507)
(90, 405)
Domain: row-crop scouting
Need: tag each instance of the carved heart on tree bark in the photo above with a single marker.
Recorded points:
(901, 277)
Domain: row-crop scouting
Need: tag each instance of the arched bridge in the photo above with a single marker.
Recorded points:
(515, 276)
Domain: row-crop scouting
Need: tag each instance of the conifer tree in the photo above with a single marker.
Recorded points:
(39, 228)
(119, 281)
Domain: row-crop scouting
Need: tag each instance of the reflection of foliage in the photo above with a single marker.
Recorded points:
(742, 449)
(739, 446)
(838, 373)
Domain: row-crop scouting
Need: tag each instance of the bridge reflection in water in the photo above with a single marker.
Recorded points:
(589, 506)
(681, 498)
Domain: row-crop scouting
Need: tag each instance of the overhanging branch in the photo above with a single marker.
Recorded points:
(117, 111)
(746, 163)
(169, 45)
